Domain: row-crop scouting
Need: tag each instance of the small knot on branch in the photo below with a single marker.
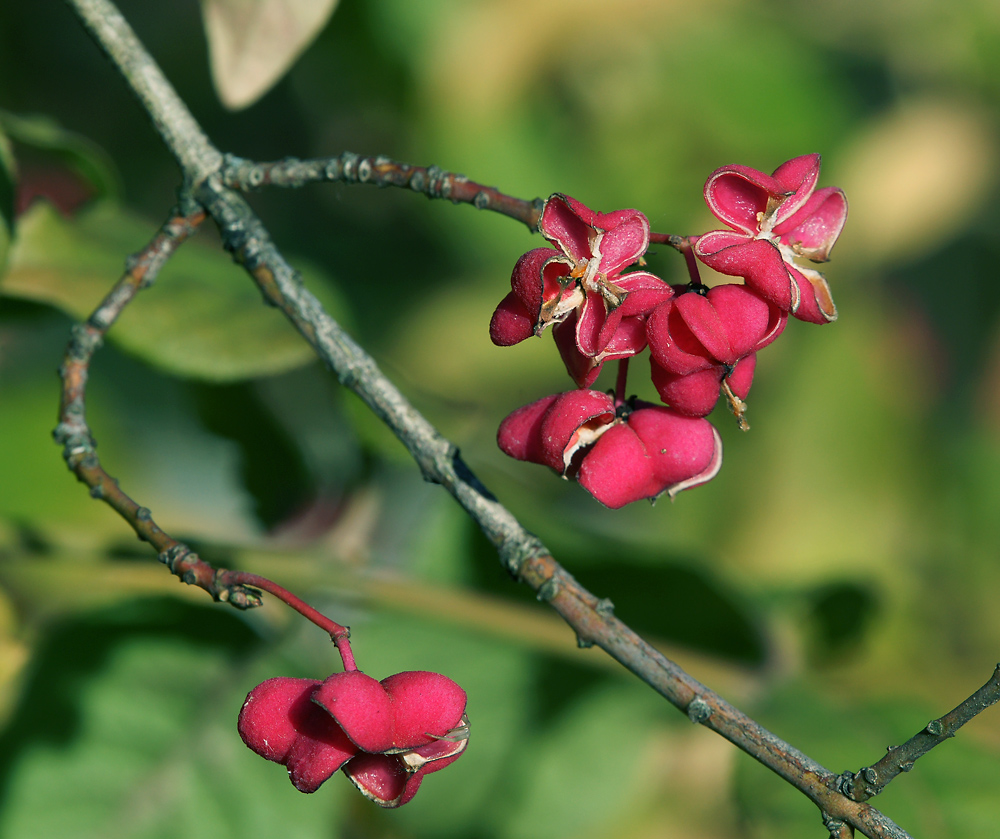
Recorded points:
(937, 729)
(349, 166)
(838, 828)
(239, 596)
(548, 589)
(518, 554)
(224, 586)
(438, 183)
(255, 177)
(605, 608)
(845, 784)
(85, 339)
(698, 710)
(334, 170)
(174, 555)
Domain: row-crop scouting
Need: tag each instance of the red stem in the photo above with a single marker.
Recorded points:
(338, 634)
(691, 260)
(620, 382)
(685, 244)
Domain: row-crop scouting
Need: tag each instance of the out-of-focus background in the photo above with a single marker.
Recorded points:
(838, 580)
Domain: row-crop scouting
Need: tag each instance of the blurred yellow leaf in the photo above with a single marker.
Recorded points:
(916, 177)
(517, 40)
(253, 43)
(13, 654)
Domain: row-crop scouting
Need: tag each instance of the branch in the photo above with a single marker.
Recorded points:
(73, 433)
(171, 117)
(870, 781)
(595, 624)
(380, 171)
(80, 449)
(523, 554)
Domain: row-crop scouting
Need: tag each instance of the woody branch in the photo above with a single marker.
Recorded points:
(521, 552)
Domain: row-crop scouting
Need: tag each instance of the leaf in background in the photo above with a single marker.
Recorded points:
(916, 176)
(83, 157)
(203, 319)
(471, 799)
(252, 43)
(14, 650)
(7, 180)
(128, 729)
(602, 748)
(949, 794)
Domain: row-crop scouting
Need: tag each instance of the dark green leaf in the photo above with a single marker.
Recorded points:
(202, 319)
(80, 154)
(950, 793)
(8, 175)
(128, 729)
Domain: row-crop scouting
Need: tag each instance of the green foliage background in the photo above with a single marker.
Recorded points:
(837, 580)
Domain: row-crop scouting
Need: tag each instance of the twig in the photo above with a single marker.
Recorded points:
(379, 171)
(80, 449)
(838, 829)
(224, 585)
(595, 624)
(73, 433)
(171, 117)
(870, 781)
(520, 551)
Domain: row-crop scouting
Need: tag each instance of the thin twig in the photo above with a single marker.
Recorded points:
(520, 551)
(171, 117)
(523, 554)
(595, 624)
(73, 433)
(80, 449)
(379, 171)
(870, 781)
(838, 829)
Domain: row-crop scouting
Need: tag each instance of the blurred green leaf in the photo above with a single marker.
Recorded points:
(840, 616)
(950, 793)
(80, 154)
(595, 748)
(203, 318)
(271, 467)
(128, 729)
(497, 676)
(8, 178)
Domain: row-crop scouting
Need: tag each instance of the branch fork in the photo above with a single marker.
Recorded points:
(211, 180)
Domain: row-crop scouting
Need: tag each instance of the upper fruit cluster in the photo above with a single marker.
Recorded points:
(703, 341)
